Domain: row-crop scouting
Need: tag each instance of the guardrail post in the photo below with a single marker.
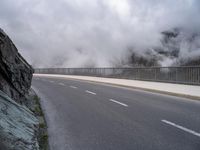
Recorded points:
(176, 75)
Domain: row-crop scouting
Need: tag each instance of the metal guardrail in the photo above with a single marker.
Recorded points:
(182, 75)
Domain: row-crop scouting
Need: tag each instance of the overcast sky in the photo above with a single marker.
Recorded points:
(78, 33)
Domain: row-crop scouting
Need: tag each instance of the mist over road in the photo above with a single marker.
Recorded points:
(91, 116)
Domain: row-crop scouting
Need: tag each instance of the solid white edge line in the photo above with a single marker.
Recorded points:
(181, 127)
(90, 92)
(118, 102)
(73, 87)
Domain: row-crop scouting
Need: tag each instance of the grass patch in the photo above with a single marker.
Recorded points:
(37, 108)
(42, 135)
(43, 142)
(42, 125)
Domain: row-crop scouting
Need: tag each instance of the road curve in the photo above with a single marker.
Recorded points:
(92, 116)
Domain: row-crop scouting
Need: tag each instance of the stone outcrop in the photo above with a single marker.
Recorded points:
(18, 126)
(15, 72)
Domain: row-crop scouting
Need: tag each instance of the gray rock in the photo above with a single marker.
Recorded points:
(15, 72)
(18, 126)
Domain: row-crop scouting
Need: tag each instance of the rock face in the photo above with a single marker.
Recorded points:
(18, 126)
(15, 72)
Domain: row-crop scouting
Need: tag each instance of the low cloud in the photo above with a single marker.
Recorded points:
(97, 33)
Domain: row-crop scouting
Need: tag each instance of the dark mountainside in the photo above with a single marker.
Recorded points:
(15, 72)
(171, 48)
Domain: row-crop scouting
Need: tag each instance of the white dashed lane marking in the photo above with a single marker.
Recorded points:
(120, 103)
(73, 87)
(90, 92)
(181, 128)
(62, 84)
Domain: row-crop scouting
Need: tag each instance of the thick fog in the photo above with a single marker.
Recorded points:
(98, 33)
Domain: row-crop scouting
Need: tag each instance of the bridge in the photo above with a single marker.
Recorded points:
(121, 108)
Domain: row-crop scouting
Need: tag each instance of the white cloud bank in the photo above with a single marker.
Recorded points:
(79, 33)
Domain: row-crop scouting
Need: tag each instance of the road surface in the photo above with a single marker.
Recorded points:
(92, 116)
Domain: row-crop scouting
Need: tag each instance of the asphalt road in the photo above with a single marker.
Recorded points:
(91, 116)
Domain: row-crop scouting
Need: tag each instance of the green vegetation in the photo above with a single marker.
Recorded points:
(42, 135)
(42, 125)
(43, 142)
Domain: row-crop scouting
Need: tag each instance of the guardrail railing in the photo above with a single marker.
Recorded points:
(182, 75)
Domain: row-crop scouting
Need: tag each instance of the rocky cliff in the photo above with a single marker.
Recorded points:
(15, 72)
(18, 125)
